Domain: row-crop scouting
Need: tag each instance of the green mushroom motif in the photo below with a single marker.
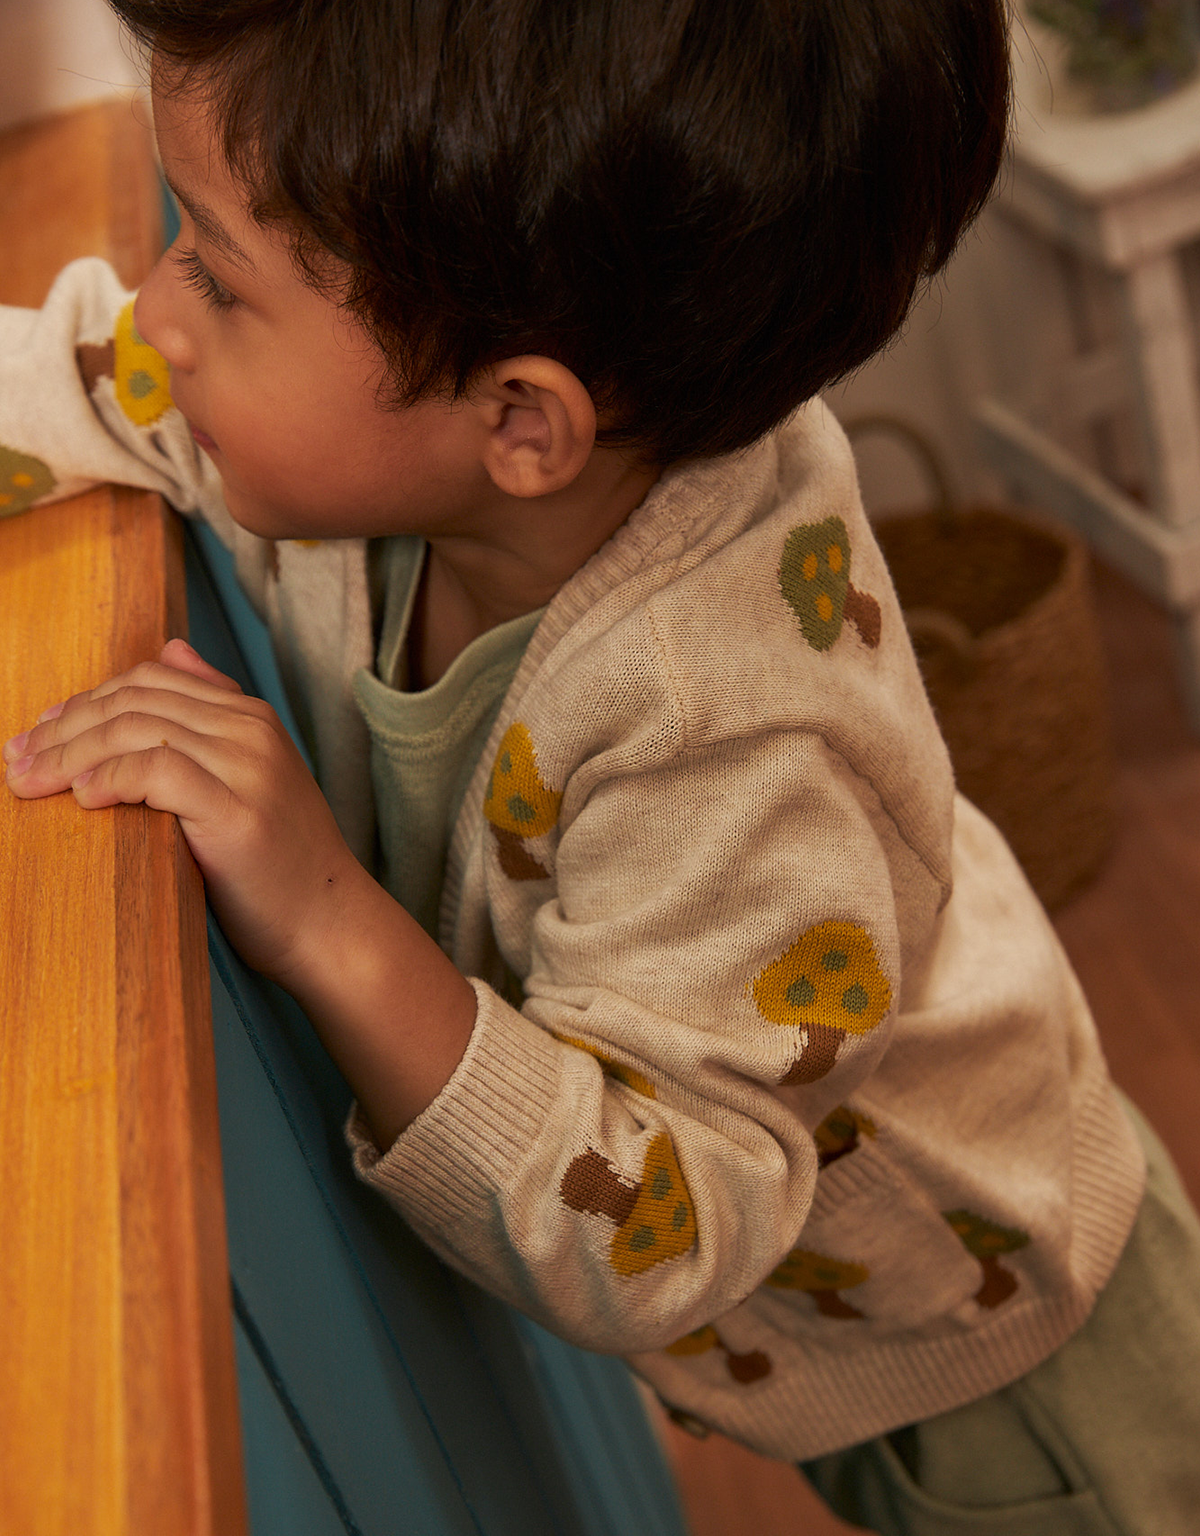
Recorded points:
(23, 480)
(814, 577)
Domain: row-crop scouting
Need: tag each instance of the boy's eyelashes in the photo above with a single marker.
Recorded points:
(196, 275)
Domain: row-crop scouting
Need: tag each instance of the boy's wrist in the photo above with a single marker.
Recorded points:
(388, 1005)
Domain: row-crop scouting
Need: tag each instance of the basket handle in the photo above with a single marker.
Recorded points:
(935, 627)
(945, 511)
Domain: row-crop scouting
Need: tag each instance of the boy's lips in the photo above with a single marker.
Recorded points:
(202, 438)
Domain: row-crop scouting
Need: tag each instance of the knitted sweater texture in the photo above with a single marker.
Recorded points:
(780, 1084)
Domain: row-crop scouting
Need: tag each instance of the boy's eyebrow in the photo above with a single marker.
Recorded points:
(210, 226)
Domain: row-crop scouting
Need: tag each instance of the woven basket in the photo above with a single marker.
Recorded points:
(1000, 612)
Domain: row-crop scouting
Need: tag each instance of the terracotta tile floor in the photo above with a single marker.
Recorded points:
(1134, 938)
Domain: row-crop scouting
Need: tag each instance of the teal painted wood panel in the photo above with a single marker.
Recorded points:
(380, 1392)
(285, 1492)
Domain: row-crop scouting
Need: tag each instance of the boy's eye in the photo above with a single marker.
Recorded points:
(196, 275)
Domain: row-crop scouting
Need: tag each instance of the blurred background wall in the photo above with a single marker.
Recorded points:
(54, 53)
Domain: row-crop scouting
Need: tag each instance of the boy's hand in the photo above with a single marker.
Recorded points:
(180, 736)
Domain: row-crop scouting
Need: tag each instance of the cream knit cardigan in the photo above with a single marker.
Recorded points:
(780, 1084)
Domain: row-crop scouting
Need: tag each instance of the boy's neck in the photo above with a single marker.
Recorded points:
(528, 550)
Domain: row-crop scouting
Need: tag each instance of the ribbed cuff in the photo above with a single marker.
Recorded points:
(472, 1141)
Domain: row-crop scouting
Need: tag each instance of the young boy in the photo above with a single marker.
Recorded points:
(689, 1011)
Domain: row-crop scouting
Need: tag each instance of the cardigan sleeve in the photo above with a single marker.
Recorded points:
(84, 399)
(713, 969)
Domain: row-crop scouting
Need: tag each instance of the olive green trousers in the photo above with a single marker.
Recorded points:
(1101, 1439)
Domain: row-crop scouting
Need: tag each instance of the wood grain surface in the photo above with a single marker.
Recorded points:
(118, 1395)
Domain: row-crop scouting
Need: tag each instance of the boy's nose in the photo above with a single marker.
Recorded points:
(153, 316)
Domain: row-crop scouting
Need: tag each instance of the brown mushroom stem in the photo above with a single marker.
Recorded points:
(746, 1368)
(998, 1283)
(863, 612)
(830, 1304)
(95, 363)
(591, 1185)
(820, 1053)
(515, 859)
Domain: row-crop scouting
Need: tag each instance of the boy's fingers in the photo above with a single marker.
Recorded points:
(179, 655)
(198, 681)
(179, 669)
(160, 777)
(47, 767)
(200, 707)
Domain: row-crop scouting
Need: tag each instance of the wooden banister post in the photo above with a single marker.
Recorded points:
(118, 1395)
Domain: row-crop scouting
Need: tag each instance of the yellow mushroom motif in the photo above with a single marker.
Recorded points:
(662, 1224)
(839, 1133)
(141, 378)
(617, 1070)
(23, 480)
(829, 984)
(822, 1278)
(518, 804)
(655, 1217)
(752, 1366)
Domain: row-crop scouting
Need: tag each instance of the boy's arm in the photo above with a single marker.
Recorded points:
(84, 399)
(629, 1155)
(291, 897)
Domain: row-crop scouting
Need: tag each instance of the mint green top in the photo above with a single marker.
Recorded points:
(424, 746)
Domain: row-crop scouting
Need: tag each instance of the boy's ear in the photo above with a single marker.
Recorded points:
(541, 425)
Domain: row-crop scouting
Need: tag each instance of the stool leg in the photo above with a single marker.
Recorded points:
(1159, 336)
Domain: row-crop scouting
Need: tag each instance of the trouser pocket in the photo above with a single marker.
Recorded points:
(871, 1486)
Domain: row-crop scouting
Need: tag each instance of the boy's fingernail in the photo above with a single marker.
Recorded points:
(15, 770)
(14, 748)
(82, 779)
(51, 714)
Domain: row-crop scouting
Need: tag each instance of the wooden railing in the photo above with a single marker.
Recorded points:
(118, 1396)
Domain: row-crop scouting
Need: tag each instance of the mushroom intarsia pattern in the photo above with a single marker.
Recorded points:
(745, 1368)
(839, 1133)
(655, 1218)
(822, 1278)
(141, 378)
(814, 577)
(23, 480)
(986, 1241)
(619, 1071)
(828, 984)
(518, 804)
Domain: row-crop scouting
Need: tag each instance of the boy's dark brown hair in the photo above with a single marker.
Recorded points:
(707, 209)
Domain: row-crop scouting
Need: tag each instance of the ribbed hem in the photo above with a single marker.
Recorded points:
(448, 1166)
(818, 1401)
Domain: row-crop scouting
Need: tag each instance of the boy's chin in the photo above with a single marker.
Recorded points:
(268, 522)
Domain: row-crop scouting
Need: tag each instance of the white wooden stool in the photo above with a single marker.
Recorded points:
(1111, 439)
